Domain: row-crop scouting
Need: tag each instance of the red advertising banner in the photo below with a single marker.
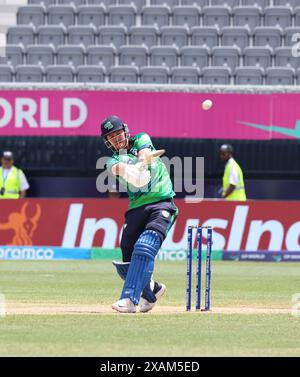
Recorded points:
(160, 114)
(86, 223)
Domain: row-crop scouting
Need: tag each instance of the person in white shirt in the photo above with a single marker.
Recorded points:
(13, 182)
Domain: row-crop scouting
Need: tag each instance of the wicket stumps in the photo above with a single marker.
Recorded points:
(199, 268)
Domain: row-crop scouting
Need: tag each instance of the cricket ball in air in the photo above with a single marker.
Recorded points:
(207, 104)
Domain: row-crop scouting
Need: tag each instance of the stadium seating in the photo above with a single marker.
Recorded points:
(32, 14)
(21, 34)
(225, 56)
(267, 36)
(15, 55)
(297, 16)
(291, 3)
(6, 73)
(235, 37)
(59, 73)
(280, 76)
(174, 36)
(71, 55)
(258, 56)
(170, 3)
(164, 56)
(123, 15)
(51, 34)
(137, 3)
(260, 3)
(91, 15)
(278, 16)
(249, 76)
(41, 55)
(185, 75)
(61, 15)
(29, 73)
(155, 15)
(193, 56)
(144, 35)
(45, 2)
(186, 15)
(205, 36)
(133, 55)
(91, 73)
(112, 35)
(201, 3)
(155, 75)
(230, 3)
(247, 16)
(216, 75)
(101, 55)
(124, 74)
(82, 35)
(111, 40)
(284, 58)
(216, 16)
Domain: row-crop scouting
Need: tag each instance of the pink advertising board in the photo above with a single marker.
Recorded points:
(161, 114)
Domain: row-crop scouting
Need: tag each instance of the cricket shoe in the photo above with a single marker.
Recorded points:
(158, 290)
(125, 305)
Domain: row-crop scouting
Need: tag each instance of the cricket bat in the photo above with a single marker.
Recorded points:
(151, 158)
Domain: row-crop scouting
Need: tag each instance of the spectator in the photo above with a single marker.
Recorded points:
(13, 183)
(233, 181)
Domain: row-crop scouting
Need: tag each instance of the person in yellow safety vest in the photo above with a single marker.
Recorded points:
(233, 180)
(13, 183)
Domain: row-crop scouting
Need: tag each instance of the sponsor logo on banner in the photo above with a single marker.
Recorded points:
(77, 112)
(262, 256)
(230, 232)
(22, 225)
(89, 223)
(43, 112)
(23, 253)
(292, 132)
(43, 253)
(171, 255)
(180, 255)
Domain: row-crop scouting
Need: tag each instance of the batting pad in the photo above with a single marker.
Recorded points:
(122, 269)
(142, 265)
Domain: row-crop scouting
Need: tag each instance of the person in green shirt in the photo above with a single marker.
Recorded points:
(233, 180)
(151, 213)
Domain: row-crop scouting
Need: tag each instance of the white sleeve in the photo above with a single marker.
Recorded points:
(233, 176)
(24, 183)
(136, 176)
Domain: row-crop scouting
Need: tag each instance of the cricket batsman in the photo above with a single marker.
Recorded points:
(150, 216)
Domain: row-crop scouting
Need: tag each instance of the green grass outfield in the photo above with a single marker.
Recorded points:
(63, 309)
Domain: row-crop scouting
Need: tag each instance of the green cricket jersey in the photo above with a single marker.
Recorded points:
(160, 186)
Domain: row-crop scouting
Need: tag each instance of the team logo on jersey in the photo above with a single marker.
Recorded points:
(165, 213)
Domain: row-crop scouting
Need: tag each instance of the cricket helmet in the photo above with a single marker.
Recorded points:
(111, 124)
